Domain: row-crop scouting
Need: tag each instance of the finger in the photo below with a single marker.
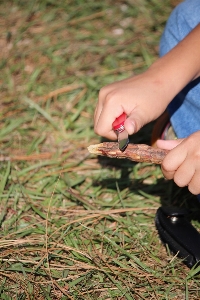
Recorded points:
(194, 186)
(168, 174)
(102, 96)
(184, 173)
(135, 121)
(168, 144)
(131, 125)
(175, 157)
(97, 113)
(106, 115)
(104, 124)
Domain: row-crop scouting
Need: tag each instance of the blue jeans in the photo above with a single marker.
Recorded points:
(184, 110)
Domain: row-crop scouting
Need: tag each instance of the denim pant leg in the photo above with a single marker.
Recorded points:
(184, 110)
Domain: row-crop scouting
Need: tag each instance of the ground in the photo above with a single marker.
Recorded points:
(75, 226)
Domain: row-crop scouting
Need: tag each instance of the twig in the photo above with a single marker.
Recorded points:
(134, 152)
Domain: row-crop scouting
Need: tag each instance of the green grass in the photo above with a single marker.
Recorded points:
(74, 226)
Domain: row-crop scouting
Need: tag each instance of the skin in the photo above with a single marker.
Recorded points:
(156, 88)
(182, 164)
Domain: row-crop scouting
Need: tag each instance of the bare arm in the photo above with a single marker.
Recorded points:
(144, 97)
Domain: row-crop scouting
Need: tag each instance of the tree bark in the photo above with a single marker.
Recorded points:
(134, 152)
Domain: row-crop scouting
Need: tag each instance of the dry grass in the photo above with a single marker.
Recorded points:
(74, 226)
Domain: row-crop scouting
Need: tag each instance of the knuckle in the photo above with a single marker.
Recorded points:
(193, 185)
(179, 179)
(179, 182)
(98, 130)
(102, 92)
(193, 190)
(167, 175)
(197, 155)
(110, 98)
(165, 166)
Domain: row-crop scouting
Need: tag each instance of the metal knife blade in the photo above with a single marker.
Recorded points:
(122, 134)
(123, 140)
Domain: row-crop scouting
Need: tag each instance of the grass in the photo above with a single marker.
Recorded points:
(75, 226)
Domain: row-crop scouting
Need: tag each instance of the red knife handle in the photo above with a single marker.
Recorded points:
(118, 124)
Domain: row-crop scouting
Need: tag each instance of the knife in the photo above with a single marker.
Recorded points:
(122, 134)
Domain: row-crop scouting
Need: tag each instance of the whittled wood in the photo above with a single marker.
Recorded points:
(134, 152)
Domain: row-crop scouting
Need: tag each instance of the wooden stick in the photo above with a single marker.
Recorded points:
(134, 152)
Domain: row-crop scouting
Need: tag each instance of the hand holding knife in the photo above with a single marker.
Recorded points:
(122, 134)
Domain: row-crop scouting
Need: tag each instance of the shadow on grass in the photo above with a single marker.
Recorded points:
(170, 194)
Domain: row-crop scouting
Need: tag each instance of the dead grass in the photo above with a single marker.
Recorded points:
(75, 226)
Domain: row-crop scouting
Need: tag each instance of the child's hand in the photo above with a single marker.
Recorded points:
(145, 97)
(182, 163)
(139, 97)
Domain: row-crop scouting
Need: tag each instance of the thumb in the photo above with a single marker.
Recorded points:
(168, 144)
(133, 124)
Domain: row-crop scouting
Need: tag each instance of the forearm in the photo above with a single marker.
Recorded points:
(172, 72)
(146, 96)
